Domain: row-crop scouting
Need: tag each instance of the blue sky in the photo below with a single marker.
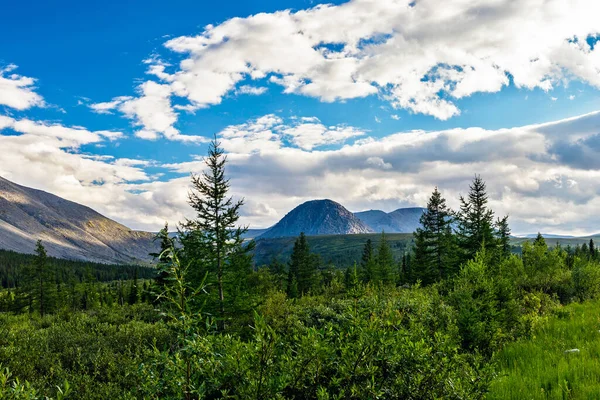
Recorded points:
(302, 92)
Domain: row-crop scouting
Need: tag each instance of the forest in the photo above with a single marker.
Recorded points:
(447, 319)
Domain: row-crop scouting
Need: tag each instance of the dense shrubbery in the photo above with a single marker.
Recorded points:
(97, 352)
(427, 326)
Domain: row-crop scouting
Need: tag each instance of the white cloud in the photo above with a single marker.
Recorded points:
(18, 91)
(252, 90)
(420, 58)
(545, 176)
(395, 116)
(268, 134)
(152, 111)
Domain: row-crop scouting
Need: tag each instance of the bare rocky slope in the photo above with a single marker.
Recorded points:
(317, 217)
(402, 220)
(67, 229)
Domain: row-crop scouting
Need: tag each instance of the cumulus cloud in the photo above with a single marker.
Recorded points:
(420, 56)
(18, 91)
(542, 175)
(49, 157)
(252, 90)
(152, 111)
(270, 132)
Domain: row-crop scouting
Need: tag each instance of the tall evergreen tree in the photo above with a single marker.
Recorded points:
(475, 222)
(592, 250)
(134, 294)
(368, 265)
(434, 241)
(503, 235)
(41, 281)
(212, 239)
(540, 241)
(167, 244)
(303, 268)
(385, 261)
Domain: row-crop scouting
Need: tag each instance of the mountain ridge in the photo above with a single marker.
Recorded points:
(317, 217)
(67, 229)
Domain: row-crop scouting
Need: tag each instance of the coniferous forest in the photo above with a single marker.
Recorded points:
(446, 320)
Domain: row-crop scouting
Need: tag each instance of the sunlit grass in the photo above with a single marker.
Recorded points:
(540, 367)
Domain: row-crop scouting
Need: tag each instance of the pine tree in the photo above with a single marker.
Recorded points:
(42, 277)
(475, 222)
(133, 290)
(368, 266)
(303, 268)
(434, 241)
(540, 241)
(212, 238)
(385, 261)
(167, 244)
(592, 250)
(503, 235)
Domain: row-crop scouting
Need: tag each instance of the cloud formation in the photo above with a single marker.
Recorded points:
(421, 56)
(544, 176)
(18, 91)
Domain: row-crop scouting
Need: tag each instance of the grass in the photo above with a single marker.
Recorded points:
(539, 367)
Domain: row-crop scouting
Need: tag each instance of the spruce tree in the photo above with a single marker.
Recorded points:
(475, 222)
(592, 250)
(503, 235)
(540, 241)
(368, 266)
(212, 239)
(42, 285)
(133, 290)
(167, 244)
(303, 268)
(434, 241)
(385, 261)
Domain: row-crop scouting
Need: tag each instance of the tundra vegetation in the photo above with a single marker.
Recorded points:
(457, 316)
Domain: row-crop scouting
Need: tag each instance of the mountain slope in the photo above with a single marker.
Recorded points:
(402, 220)
(67, 229)
(317, 217)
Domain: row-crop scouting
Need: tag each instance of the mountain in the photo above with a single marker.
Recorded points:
(547, 236)
(317, 217)
(402, 220)
(67, 229)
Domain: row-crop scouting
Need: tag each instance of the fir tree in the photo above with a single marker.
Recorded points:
(475, 222)
(592, 250)
(42, 285)
(303, 268)
(212, 238)
(434, 241)
(539, 241)
(368, 266)
(167, 244)
(385, 261)
(133, 290)
(503, 235)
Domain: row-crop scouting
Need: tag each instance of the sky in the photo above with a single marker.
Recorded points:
(371, 103)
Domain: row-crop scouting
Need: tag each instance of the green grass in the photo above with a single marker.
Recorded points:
(539, 368)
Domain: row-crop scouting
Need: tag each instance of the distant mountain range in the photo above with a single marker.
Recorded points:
(402, 220)
(67, 229)
(326, 217)
(317, 217)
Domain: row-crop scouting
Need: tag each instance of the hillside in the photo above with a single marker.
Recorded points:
(402, 220)
(339, 250)
(317, 217)
(67, 229)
